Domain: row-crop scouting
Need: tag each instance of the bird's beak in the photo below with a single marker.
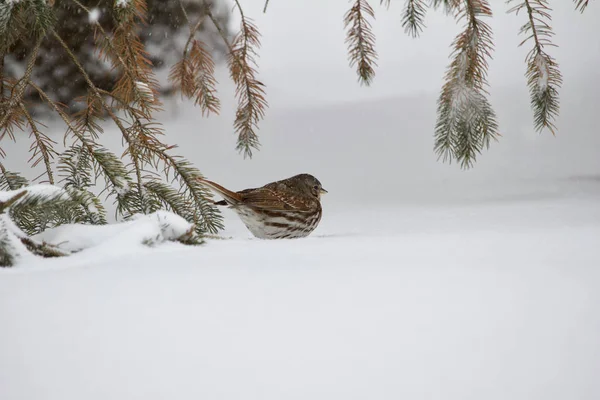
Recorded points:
(323, 191)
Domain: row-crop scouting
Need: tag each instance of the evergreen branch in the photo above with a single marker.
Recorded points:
(386, 3)
(43, 249)
(18, 91)
(188, 174)
(136, 85)
(94, 211)
(1, 78)
(109, 164)
(50, 206)
(193, 75)
(59, 111)
(11, 180)
(4, 205)
(581, 5)
(170, 198)
(543, 75)
(37, 210)
(112, 168)
(75, 164)
(450, 6)
(204, 83)
(12, 24)
(9, 251)
(193, 30)
(413, 17)
(131, 144)
(361, 40)
(42, 145)
(85, 120)
(43, 16)
(249, 91)
(466, 122)
(266, 5)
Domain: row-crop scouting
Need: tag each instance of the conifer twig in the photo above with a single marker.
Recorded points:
(581, 5)
(193, 75)
(43, 249)
(131, 145)
(450, 6)
(19, 90)
(466, 122)
(361, 40)
(137, 76)
(543, 75)
(41, 144)
(249, 90)
(211, 221)
(413, 17)
(4, 205)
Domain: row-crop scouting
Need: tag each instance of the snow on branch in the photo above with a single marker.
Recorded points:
(17, 246)
(466, 122)
(147, 230)
(543, 75)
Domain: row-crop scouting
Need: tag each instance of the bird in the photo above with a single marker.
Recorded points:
(285, 209)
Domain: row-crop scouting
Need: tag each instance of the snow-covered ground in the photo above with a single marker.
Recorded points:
(492, 301)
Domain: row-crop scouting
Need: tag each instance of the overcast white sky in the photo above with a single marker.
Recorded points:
(304, 59)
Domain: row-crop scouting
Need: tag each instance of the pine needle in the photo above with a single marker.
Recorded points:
(413, 17)
(361, 40)
(543, 76)
(466, 122)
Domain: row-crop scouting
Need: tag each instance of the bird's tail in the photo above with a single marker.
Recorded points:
(231, 198)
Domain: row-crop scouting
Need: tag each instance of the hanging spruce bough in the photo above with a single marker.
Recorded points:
(543, 76)
(466, 121)
(361, 40)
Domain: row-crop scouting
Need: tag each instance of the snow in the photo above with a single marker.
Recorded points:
(543, 73)
(41, 190)
(145, 90)
(17, 249)
(94, 15)
(387, 303)
(151, 229)
(122, 3)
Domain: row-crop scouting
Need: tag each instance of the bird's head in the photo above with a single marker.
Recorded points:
(310, 185)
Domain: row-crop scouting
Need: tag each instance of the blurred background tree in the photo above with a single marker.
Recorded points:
(163, 35)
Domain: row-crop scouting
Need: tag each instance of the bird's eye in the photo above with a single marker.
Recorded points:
(316, 187)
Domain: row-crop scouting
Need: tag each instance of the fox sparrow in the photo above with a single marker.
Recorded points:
(289, 208)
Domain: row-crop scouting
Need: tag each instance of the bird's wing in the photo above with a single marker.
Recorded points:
(267, 199)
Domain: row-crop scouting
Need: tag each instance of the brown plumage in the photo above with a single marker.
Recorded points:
(289, 208)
